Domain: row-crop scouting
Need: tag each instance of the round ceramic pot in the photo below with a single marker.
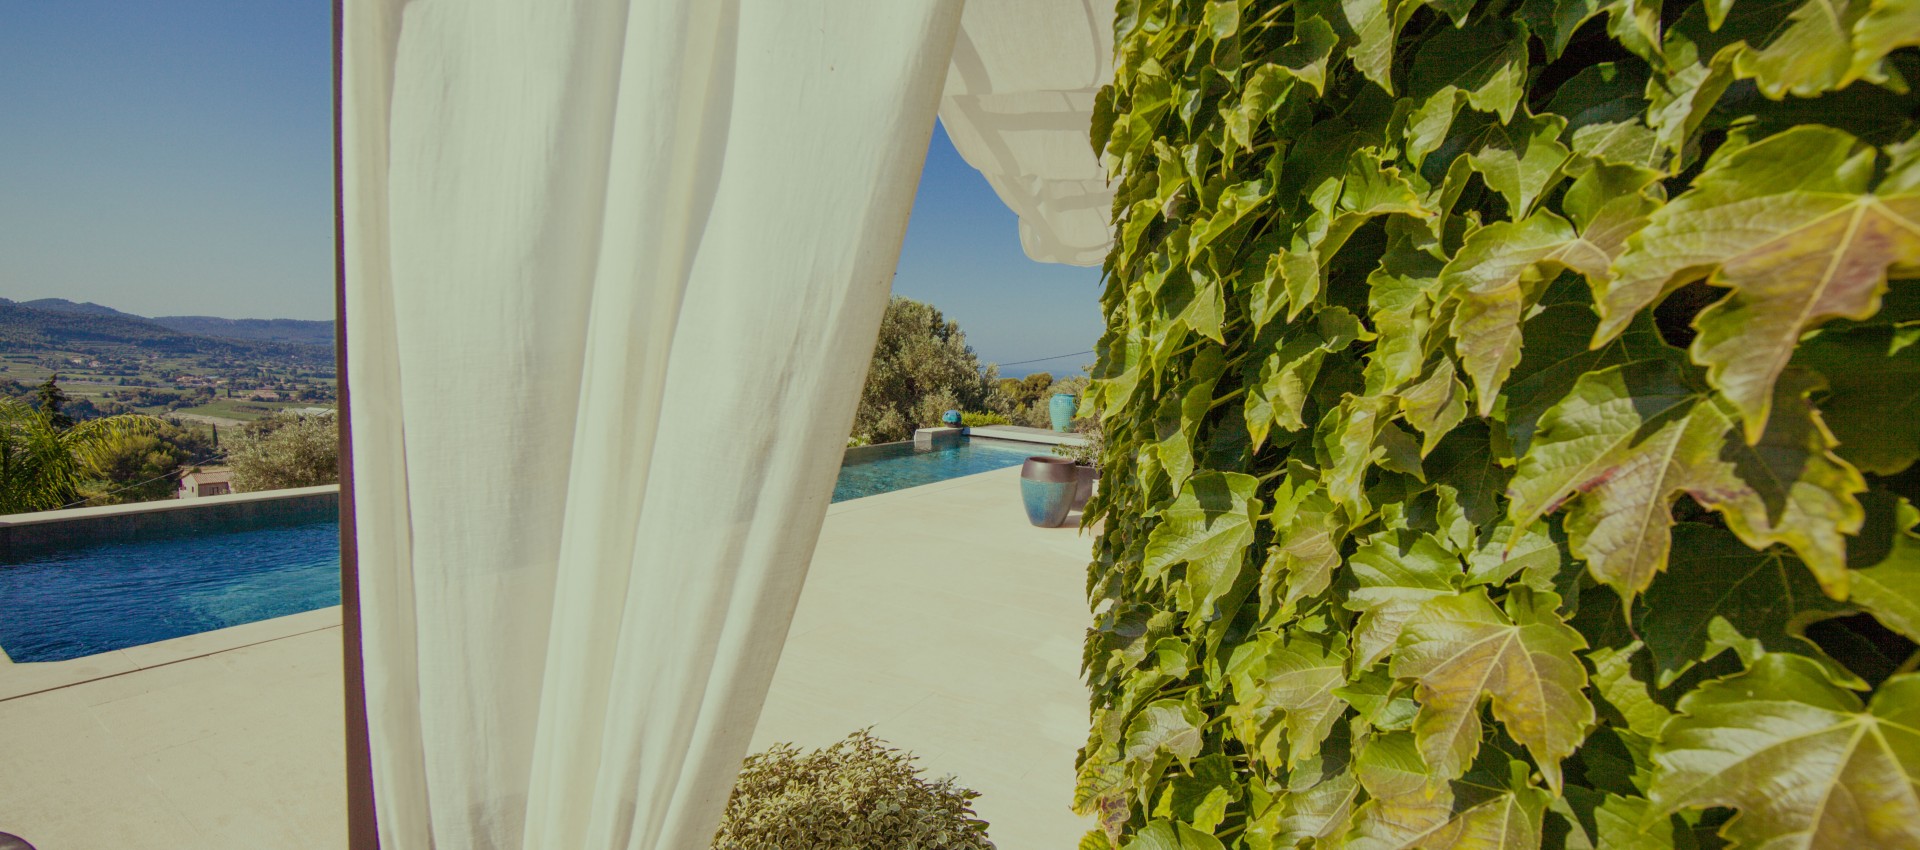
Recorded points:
(951, 418)
(1085, 476)
(1047, 488)
(1061, 408)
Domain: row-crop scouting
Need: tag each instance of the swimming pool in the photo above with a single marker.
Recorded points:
(896, 466)
(79, 601)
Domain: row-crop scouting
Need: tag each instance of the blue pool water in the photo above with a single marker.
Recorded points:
(85, 600)
(883, 469)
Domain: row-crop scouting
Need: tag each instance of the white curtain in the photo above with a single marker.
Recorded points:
(614, 271)
(1017, 105)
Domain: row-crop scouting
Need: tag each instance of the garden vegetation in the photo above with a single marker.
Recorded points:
(858, 794)
(1510, 413)
(286, 450)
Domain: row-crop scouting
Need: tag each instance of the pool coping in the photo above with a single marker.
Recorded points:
(19, 679)
(1023, 434)
(158, 505)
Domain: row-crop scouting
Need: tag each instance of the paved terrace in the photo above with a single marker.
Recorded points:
(937, 615)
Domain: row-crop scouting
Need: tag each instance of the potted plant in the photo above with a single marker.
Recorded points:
(1086, 460)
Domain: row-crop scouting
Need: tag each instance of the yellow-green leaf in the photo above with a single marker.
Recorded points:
(1802, 761)
(1394, 581)
(1788, 225)
(1463, 650)
(1208, 528)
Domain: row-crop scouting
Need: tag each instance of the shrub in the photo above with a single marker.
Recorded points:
(143, 467)
(1029, 407)
(921, 368)
(132, 468)
(970, 419)
(285, 450)
(1510, 434)
(858, 793)
(1089, 452)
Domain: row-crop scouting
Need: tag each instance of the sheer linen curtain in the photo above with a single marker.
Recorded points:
(614, 269)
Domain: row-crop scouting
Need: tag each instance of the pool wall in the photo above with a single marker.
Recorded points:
(54, 529)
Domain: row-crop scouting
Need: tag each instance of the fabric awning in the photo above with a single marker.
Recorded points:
(1017, 105)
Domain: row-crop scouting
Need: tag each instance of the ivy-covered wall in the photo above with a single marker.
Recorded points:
(1511, 413)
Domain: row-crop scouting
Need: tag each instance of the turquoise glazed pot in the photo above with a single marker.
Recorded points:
(1060, 407)
(1047, 488)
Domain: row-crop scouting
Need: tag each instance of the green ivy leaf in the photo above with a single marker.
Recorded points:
(1279, 389)
(1627, 143)
(1486, 62)
(1890, 587)
(1601, 94)
(1629, 439)
(1466, 461)
(1172, 835)
(1508, 818)
(1377, 23)
(1620, 447)
(1796, 490)
(1888, 26)
(1320, 797)
(1812, 53)
(1301, 565)
(1165, 726)
(1557, 355)
(1535, 554)
(1489, 277)
(1555, 21)
(1398, 303)
(1521, 160)
(1495, 273)
(1872, 398)
(1435, 404)
(1462, 650)
(1492, 807)
(1617, 683)
(1681, 100)
(1208, 527)
(1788, 225)
(1379, 700)
(1714, 584)
(1799, 757)
(1348, 438)
(1603, 821)
(1394, 581)
(1297, 677)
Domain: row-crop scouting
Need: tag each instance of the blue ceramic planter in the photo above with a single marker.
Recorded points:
(1061, 408)
(1047, 489)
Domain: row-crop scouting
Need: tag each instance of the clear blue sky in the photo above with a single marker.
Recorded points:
(175, 157)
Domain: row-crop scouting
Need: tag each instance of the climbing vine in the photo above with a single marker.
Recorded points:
(1511, 414)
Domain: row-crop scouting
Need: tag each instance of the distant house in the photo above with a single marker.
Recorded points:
(206, 482)
(264, 395)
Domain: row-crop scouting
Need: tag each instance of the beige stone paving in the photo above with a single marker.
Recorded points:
(935, 615)
(938, 616)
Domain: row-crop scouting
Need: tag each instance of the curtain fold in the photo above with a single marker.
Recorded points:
(614, 271)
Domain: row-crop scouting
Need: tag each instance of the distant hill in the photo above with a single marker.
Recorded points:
(83, 327)
(296, 331)
(302, 331)
(77, 308)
